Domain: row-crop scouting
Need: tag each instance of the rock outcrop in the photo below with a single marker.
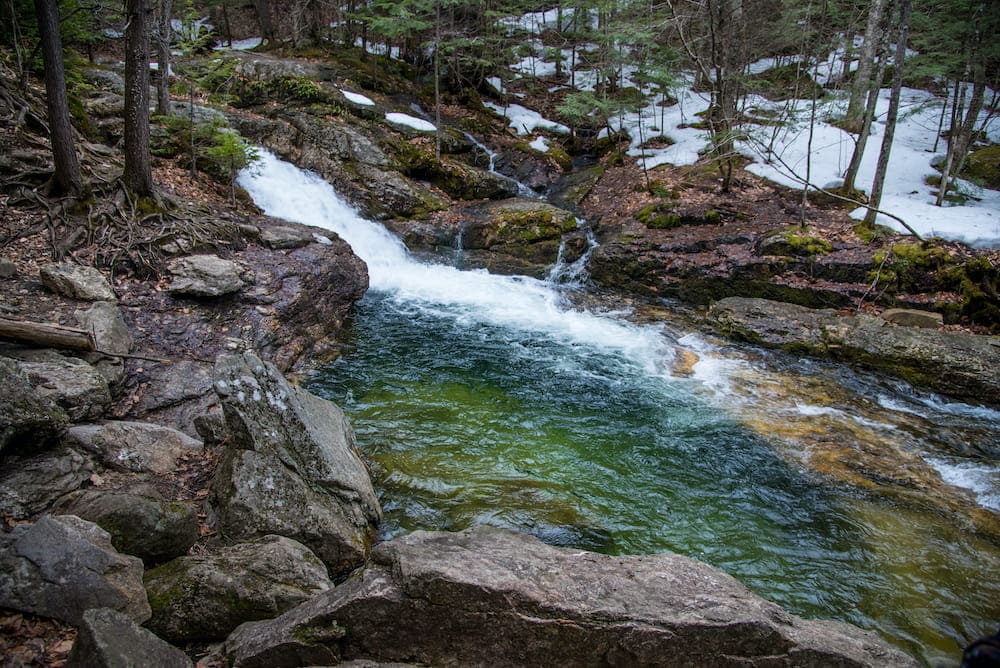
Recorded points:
(492, 597)
(959, 365)
(293, 468)
(206, 596)
(110, 639)
(61, 566)
(69, 382)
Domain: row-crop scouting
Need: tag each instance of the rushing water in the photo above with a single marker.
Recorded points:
(483, 398)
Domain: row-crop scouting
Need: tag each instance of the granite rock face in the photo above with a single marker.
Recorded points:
(957, 364)
(110, 639)
(293, 468)
(78, 282)
(488, 596)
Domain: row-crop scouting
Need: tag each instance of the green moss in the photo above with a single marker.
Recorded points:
(658, 217)
(983, 167)
(802, 244)
(785, 82)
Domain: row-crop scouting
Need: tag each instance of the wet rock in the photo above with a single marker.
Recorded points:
(529, 230)
(78, 282)
(28, 420)
(913, 318)
(205, 597)
(144, 525)
(488, 596)
(293, 468)
(110, 639)
(69, 382)
(956, 364)
(133, 446)
(570, 190)
(204, 276)
(62, 566)
(287, 236)
(29, 485)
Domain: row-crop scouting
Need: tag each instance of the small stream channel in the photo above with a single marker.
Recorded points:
(492, 399)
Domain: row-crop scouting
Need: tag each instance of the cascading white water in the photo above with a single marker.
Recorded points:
(283, 190)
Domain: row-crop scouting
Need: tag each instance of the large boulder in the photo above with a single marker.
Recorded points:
(206, 596)
(29, 485)
(960, 365)
(139, 447)
(293, 467)
(28, 420)
(140, 522)
(488, 596)
(61, 566)
(105, 322)
(77, 387)
(109, 639)
(78, 282)
(204, 276)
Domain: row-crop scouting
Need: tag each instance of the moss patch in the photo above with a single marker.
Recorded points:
(983, 167)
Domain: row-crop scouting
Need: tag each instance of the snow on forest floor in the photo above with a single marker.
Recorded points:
(787, 152)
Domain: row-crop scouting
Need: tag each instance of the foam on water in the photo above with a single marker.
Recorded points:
(981, 478)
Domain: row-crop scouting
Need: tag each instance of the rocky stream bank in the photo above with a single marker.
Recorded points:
(173, 486)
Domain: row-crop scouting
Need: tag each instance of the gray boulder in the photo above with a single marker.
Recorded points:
(488, 596)
(293, 468)
(143, 525)
(960, 365)
(78, 282)
(204, 276)
(28, 420)
(110, 639)
(7, 268)
(62, 566)
(205, 597)
(139, 447)
(30, 485)
(909, 317)
(69, 382)
(104, 320)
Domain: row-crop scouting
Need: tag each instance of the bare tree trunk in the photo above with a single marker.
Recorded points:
(163, 57)
(851, 175)
(890, 122)
(862, 78)
(437, 79)
(66, 179)
(138, 175)
(263, 8)
(961, 140)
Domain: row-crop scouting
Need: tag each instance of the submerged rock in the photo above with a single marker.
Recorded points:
(206, 596)
(488, 596)
(959, 365)
(293, 468)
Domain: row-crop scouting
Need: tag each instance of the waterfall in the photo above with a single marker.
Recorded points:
(518, 302)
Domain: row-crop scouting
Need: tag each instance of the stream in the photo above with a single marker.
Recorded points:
(493, 399)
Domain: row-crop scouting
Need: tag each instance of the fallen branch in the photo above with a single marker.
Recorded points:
(47, 334)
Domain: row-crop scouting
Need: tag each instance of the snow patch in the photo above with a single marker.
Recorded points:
(524, 120)
(358, 98)
(410, 121)
(540, 144)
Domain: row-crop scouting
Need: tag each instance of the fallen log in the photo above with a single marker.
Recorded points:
(47, 334)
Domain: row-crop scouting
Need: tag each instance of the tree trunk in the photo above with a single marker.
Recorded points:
(851, 175)
(862, 78)
(66, 179)
(138, 175)
(961, 138)
(47, 334)
(163, 57)
(890, 122)
(263, 8)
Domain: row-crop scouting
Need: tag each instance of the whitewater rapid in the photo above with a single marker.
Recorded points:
(283, 190)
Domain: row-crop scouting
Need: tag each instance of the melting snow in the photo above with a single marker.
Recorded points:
(358, 98)
(411, 121)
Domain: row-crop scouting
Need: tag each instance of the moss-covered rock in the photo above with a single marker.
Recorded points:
(794, 242)
(205, 597)
(983, 167)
